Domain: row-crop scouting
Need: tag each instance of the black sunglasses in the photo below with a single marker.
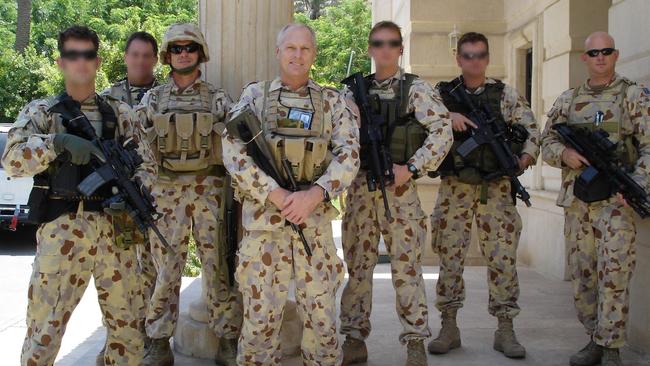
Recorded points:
(605, 51)
(472, 56)
(379, 43)
(189, 48)
(74, 55)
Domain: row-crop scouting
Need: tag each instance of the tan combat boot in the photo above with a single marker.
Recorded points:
(611, 357)
(159, 353)
(506, 342)
(449, 336)
(590, 355)
(416, 356)
(354, 351)
(99, 361)
(227, 354)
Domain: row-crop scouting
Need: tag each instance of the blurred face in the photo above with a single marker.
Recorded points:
(184, 54)
(385, 48)
(140, 59)
(473, 59)
(79, 62)
(296, 53)
(600, 56)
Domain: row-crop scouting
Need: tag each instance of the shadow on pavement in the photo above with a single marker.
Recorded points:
(21, 242)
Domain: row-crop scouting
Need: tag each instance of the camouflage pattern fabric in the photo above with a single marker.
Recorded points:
(271, 254)
(364, 222)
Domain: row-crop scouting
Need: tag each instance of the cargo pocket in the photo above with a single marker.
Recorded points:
(46, 282)
(315, 156)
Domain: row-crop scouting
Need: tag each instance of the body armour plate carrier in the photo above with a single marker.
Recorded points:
(480, 165)
(55, 190)
(403, 134)
(297, 134)
(185, 139)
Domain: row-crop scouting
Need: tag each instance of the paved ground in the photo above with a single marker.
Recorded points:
(547, 325)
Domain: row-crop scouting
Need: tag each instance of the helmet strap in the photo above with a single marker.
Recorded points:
(185, 70)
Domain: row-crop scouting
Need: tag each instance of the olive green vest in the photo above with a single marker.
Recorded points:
(480, 163)
(403, 133)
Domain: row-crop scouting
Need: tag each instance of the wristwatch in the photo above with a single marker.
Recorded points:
(415, 171)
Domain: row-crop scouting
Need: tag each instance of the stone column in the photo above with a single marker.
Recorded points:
(241, 38)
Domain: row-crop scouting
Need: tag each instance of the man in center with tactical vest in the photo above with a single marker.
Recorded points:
(313, 131)
(472, 187)
(184, 121)
(417, 131)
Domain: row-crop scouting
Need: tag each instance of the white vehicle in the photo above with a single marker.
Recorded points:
(14, 193)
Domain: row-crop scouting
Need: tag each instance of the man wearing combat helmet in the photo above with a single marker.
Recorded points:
(184, 120)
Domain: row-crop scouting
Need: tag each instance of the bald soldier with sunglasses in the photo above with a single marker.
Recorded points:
(600, 234)
(184, 121)
(473, 188)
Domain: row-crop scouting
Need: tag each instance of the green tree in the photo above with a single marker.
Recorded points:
(31, 75)
(341, 29)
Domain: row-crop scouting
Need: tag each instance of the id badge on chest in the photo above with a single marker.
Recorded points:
(302, 116)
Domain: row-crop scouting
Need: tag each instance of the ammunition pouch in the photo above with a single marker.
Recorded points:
(406, 137)
(308, 156)
(185, 142)
(592, 186)
(126, 232)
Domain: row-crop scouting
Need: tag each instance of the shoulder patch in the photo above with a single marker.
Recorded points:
(646, 90)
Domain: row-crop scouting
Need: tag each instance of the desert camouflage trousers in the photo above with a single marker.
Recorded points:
(600, 237)
(267, 262)
(191, 207)
(404, 236)
(499, 227)
(70, 250)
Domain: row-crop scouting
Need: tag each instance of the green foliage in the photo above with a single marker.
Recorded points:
(342, 28)
(193, 264)
(31, 75)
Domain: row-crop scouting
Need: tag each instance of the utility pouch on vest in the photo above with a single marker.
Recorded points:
(406, 139)
(315, 158)
(294, 151)
(161, 128)
(126, 232)
(592, 186)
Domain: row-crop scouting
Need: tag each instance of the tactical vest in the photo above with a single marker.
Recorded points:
(295, 131)
(55, 190)
(604, 111)
(186, 140)
(129, 94)
(593, 111)
(403, 133)
(480, 165)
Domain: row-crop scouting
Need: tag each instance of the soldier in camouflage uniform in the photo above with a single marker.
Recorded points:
(140, 58)
(76, 240)
(600, 235)
(184, 120)
(404, 233)
(315, 130)
(465, 194)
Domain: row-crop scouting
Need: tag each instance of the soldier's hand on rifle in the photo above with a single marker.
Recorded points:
(301, 204)
(402, 175)
(460, 123)
(573, 159)
(525, 161)
(278, 196)
(79, 148)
